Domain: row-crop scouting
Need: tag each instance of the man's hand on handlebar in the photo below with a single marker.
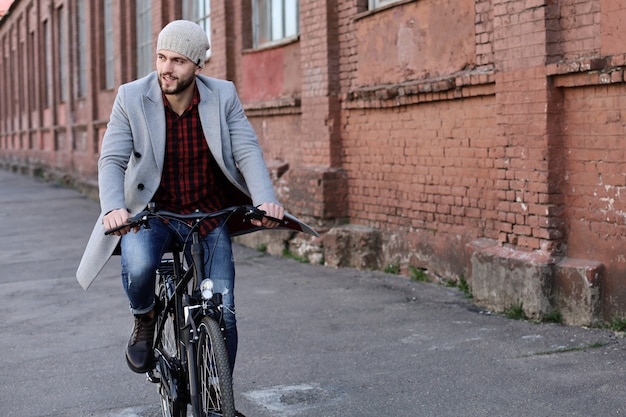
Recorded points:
(119, 222)
(271, 210)
(117, 218)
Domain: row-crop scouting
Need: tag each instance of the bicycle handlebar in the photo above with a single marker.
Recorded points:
(141, 219)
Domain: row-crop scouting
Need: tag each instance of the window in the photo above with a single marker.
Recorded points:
(6, 96)
(274, 20)
(19, 84)
(373, 4)
(31, 72)
(145, 54)
(62, 56)
(4, 86)
(199, 11)
(109, 54)
(47, 77)
(81, 88)
(21, 96)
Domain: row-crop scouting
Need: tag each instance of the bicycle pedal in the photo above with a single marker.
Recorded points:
(150, 377)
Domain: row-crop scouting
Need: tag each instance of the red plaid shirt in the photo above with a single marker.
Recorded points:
(191, 178)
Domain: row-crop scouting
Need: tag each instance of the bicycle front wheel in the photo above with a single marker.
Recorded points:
(214, 376)
(168, 359)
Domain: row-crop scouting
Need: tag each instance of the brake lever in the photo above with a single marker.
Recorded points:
(254, 213)
(140, 219)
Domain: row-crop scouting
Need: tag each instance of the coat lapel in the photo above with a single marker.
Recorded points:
(154, 114)
(210, 119)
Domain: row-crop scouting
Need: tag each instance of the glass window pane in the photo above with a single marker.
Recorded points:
(62, 58)
(373, 4)
(291, 18)
(202, 7)
(47, 41)
(82, 49)
(273, 20)
(144, 38)
(263, 24)
(186, 11)
(277, 15)
(109, 82)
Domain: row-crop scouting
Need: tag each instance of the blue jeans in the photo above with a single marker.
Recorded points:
(141, 255)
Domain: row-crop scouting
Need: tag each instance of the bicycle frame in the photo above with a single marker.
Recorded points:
(188, 310)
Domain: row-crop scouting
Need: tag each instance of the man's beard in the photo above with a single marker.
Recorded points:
(180, 86)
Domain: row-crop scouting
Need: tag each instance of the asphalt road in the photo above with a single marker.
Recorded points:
(314, 341)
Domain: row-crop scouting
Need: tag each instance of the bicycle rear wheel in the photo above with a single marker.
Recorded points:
(168, 359)
(214, 376)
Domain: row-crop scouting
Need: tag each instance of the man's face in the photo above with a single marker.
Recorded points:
(175, 71)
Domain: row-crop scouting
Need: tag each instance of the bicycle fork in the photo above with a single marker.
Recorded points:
(191, 342)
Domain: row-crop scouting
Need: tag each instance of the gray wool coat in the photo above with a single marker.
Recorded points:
(133, 150)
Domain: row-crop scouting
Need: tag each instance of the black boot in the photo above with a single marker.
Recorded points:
(139, 352)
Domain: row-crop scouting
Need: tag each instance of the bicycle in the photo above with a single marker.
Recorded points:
(191, 361)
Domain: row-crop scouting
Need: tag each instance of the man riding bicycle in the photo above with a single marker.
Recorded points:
(179, 139)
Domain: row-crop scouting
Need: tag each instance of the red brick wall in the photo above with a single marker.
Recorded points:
(427, 126)
(280, 136)
(579, 26)
(461, 120)
(594, 180)
(271, 74)
(417, 42)
(432, 190)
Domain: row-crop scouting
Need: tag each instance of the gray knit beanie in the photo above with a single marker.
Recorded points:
(185, 38)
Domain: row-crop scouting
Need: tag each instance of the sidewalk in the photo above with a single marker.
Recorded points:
(314, 341)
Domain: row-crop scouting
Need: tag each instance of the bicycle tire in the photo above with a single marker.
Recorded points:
(214, 376)
(170, 392)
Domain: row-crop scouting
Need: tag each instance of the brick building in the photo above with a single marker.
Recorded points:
(475, 139)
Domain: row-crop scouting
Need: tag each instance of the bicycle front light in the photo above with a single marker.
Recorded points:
(206, 289)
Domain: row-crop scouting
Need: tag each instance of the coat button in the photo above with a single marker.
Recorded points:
(137, 155)
(141, 187)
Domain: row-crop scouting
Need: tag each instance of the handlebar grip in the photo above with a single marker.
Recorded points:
(136, 220)
(279, 221)
(116, 229)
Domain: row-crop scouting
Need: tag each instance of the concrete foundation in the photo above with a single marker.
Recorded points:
(352, 246)
(500, 277)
